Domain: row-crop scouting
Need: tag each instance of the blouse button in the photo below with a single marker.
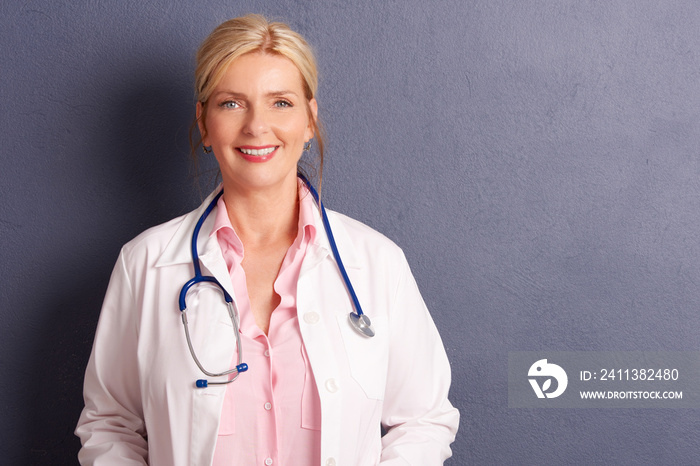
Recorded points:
(330, 461)
(267, 353)
(268, 462)
(332, 386)
(268, 406)
(311, 317)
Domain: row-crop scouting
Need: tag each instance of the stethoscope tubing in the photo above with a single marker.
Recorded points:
(334, 247)
(230, 305)
(198, 278)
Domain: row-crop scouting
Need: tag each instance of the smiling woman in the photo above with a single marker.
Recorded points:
(299, 382)
(257, 123)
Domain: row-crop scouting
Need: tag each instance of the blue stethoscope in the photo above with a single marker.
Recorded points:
(358, 319)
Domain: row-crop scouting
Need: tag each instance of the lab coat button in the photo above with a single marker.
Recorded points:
(330, 461)
(311, 317)
(332, 386)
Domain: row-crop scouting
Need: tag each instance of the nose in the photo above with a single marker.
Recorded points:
(255, 122)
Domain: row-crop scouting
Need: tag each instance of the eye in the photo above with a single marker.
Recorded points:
(283, 103)
(229, 104)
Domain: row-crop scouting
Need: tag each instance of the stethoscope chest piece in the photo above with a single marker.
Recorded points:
(362, 324)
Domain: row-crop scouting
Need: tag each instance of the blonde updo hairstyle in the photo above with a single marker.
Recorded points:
(253, 34)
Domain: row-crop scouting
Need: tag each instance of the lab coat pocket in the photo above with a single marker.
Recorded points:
(227, 424)
(310, 399)
(367, 357)
(206, 405)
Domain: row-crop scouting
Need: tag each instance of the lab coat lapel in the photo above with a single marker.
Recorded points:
(207, 402)
(321, 297)
(208, 324)
(317, 296)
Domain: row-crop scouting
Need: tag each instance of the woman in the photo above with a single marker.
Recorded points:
(318, 390)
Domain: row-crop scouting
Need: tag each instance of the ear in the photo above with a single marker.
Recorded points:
(200, 123)
(313, 106)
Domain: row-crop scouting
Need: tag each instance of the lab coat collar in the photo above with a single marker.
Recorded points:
(321, 246)
(178, 250)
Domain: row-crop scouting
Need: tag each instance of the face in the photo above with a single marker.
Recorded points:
(257, 122)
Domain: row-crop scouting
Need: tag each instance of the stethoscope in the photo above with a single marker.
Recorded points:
(358, 319)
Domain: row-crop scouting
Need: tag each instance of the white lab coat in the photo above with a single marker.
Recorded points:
(141, 404)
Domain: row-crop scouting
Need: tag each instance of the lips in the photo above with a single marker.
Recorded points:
(257, 154)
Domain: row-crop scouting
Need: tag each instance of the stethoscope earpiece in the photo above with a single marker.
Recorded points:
(204, 383)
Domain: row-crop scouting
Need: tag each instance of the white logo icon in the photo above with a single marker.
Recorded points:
(543, 370)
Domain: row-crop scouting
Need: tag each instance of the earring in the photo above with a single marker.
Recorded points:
(205, 149)
(307, 146)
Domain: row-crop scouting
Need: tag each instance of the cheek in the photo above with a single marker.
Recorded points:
(217, 130)
(297, 130)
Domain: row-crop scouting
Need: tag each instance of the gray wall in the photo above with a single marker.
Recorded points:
(537, 161)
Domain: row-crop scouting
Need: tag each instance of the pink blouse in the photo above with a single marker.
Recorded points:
(272, 412)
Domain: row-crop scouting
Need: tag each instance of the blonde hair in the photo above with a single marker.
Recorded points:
(254, 34)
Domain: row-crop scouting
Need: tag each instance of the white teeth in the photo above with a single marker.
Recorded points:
(256, 152)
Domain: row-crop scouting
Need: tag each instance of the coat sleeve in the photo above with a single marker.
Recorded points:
(420, 421)
(111, 426)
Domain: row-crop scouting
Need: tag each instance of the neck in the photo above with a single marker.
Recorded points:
(264, 216)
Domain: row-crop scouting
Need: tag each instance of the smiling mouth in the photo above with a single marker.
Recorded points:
(258, 152)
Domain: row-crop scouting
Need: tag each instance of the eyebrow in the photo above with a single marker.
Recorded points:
(269, 94)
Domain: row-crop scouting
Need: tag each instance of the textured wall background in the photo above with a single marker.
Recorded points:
(537, 161)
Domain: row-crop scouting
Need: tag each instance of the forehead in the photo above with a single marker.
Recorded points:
(261, 72)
